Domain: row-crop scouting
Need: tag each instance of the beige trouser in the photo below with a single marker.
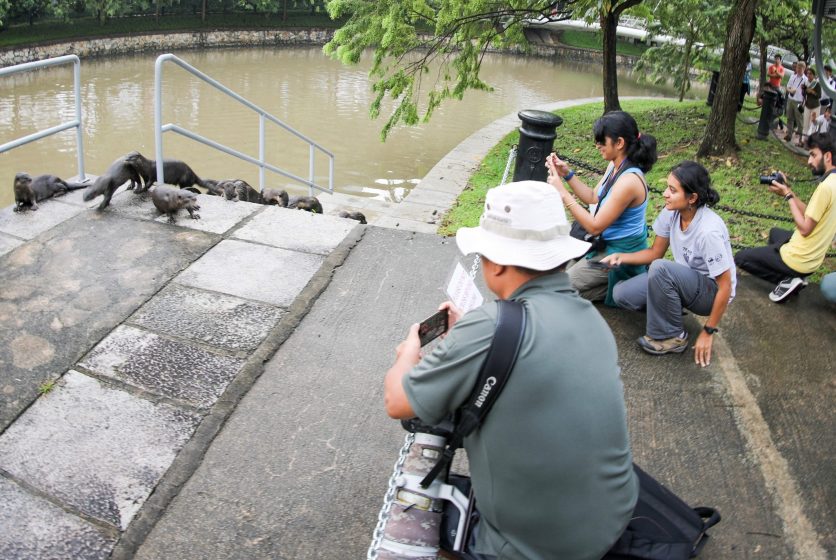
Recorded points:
(810, 115)
(590, 282)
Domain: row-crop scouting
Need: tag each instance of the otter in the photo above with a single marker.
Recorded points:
(29, 191)
(353, 216)
(309, 203)
(243, 191)
(120, 172)
(169, 201)
(275, 197)
(175, 172)
(213, 187)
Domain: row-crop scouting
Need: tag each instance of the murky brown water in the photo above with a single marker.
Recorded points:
(312, 93)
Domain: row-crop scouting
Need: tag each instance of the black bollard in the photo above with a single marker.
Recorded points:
(769, 97)
(537, 135)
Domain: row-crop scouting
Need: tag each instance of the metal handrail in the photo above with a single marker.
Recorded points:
(66, 59)
(159, 128)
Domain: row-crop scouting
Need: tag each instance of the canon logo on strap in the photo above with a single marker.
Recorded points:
(489, 383)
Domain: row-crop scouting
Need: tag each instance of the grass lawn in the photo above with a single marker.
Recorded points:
(595, 41)
(88, 28)
(678, 128)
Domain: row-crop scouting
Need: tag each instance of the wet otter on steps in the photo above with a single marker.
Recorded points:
(119, 173)
(175, 172)
(359, 216)
(29, 191)
(309, 203)
(169, 201)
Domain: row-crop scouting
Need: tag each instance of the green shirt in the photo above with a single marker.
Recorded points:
(551, 464)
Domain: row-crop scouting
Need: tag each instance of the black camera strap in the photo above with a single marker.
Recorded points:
(502, 354)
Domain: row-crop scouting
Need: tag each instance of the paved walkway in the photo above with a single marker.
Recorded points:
(212, 389)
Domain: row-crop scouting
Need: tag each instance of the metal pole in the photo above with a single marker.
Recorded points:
(158, 115)
(537, 134)
(261, 152)
(331, 173)
(311, 169)
(78, 131)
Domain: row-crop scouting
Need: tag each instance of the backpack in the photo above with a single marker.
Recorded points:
(663, 527)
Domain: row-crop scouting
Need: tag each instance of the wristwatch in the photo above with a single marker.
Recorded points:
(710, 330)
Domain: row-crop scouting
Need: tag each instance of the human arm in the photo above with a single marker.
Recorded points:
(407, 355)
(558, 170)
(646, 256)
(623, 193)
(702, 348)
(805, 224)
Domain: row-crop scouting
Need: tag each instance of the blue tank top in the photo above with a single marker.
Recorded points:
(632, 221)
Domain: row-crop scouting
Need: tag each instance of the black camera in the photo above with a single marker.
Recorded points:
(767, 179)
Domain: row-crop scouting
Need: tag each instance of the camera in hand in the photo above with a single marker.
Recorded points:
(767, 179)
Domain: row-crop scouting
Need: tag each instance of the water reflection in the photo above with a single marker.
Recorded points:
(312, 93)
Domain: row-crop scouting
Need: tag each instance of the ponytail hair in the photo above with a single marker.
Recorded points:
(695, 179)
(641, 148)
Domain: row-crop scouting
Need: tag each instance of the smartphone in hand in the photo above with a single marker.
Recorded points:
(432, 327)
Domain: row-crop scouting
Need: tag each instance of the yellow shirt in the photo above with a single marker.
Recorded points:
(805, 254)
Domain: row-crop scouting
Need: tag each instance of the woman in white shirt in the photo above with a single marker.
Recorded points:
(702, 276)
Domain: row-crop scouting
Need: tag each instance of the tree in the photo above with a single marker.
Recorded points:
(694, 24)
(4, 9)
(608, 13)
(425, 49)
(719, 139)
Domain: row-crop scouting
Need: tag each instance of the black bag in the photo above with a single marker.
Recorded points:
(663, 527)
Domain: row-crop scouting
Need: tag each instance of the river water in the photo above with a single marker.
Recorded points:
(317, 96)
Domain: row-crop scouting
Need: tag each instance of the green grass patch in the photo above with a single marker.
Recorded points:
(595, 41)
(89, 28)
(678, 128)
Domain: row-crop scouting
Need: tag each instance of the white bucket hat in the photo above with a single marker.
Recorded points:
(524, 224)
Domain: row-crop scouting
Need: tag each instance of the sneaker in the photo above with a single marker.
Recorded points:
(786, 287)
(658, 347)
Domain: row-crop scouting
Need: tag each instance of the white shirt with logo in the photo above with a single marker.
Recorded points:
(704, 246)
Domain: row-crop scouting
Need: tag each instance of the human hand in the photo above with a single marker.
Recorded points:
(613, 260)
(702, 349)
(556, 166)
(781, 186)
(453, 314)
(410, 349)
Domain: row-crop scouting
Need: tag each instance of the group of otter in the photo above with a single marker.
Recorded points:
(140, 172)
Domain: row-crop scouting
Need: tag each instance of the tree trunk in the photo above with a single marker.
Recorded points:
(203, 11)
(719, 137)
(609, 22)
(764, 64)
(284, 10)
(686, 68)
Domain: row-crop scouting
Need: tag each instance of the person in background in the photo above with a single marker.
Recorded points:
(617, 205)
(775, 72)
(822, 124)
(795, 100)
(745, 88)
(828, 287)
(701, 277)
(792, 256)
(812, 94)
(828, 79)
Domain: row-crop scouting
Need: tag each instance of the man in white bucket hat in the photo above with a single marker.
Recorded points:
(551, 465)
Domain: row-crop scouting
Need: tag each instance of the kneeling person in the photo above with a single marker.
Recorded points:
(551, 465)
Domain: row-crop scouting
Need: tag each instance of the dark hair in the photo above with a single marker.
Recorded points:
(695, 179)
(641, 148)
(779, 56)
(823, 143)
(811, 70)
(828, 68)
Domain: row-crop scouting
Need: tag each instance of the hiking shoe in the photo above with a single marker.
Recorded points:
(659, 347)
(786, 287)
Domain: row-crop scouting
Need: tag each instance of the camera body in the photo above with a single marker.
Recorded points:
(767, 179)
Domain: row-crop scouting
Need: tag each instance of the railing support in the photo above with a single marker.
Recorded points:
(59, 60)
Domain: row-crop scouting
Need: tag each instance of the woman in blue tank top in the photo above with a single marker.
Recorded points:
(617, 204)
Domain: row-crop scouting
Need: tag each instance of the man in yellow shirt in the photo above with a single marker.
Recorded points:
(791, 256)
